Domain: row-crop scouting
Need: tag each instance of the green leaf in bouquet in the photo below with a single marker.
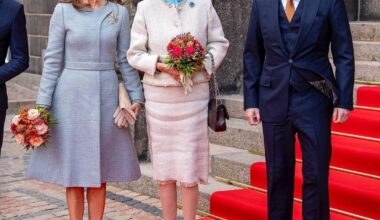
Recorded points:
(46, 115)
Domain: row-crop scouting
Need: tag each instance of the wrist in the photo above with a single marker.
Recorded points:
(161, 67)
(43, 106)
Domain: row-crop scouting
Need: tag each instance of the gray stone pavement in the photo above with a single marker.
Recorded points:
(22, 198)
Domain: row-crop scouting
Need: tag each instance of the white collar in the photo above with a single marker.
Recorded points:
(296, 3)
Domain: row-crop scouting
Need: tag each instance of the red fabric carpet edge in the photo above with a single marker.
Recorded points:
(348, 192)
(361, 122)
(369, 96)
(348, 153)
(246, 204)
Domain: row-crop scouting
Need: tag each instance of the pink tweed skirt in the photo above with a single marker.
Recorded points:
(178, 134)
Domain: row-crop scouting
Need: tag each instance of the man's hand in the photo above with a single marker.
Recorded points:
(253, 116)
(340, 115)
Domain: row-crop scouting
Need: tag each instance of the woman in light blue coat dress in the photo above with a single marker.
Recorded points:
(80, 86)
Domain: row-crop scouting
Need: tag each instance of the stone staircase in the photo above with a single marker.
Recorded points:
(366, 37)
(234, 151)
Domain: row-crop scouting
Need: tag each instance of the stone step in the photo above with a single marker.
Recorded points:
(15, 105)
(367, 50)
(367, 70)
(22, 91)
(7, 125)
(19, 92)
(28, 80)
(216, 150)
(234, 166)
(146, 186)
(240, 135)
(365, 31)
(234, 103)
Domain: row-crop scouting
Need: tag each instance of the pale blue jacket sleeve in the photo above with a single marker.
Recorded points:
(54, 57)
(131, 77)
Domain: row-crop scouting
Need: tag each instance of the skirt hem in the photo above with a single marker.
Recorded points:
(86, 185)
(181, 183)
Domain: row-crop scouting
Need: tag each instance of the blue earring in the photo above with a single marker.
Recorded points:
(191, 4)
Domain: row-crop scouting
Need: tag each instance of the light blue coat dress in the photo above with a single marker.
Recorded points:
(80, 85)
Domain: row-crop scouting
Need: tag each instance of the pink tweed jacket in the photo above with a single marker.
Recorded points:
(156, 23)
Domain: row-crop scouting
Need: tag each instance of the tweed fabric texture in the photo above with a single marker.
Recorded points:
(178, 133)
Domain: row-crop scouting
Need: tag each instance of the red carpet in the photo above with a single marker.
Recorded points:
(349, 152)
(246, 204)
(352, 193)
(369, 96)
(348, 192)
(361, 122)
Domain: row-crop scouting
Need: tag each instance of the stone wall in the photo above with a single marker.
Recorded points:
(38, 13)
(370, 10)
(363, 10)
(352, 7)
(234, 16)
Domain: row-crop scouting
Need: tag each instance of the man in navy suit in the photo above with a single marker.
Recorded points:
(12, 35)
(289, 84)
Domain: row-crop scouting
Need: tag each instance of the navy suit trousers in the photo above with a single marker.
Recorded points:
(309, 117)
(2, 121)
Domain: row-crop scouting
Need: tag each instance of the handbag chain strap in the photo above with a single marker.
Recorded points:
(215, 93)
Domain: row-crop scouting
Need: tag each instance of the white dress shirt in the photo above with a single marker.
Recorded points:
(296, 3)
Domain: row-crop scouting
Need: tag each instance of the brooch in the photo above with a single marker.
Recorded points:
(191, 4)
(113, 18)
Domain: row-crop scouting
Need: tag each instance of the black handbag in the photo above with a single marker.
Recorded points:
(217, 111)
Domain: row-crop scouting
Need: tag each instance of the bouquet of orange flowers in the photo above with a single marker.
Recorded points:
(187, 55)
(30, 127)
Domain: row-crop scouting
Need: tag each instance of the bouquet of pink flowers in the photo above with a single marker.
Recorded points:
(30, 127)
(186, 54)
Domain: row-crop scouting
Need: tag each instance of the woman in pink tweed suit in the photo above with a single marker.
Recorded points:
(177, 123)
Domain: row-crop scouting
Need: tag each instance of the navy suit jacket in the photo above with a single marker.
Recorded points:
(268, 65)
(12, 34)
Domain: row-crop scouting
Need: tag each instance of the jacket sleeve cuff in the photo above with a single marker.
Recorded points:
(208, 64)
(250, 105)
(250, 102)
(141, 101)
(345, 102)
(345, 106)
(44, 101)
(151, 63)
